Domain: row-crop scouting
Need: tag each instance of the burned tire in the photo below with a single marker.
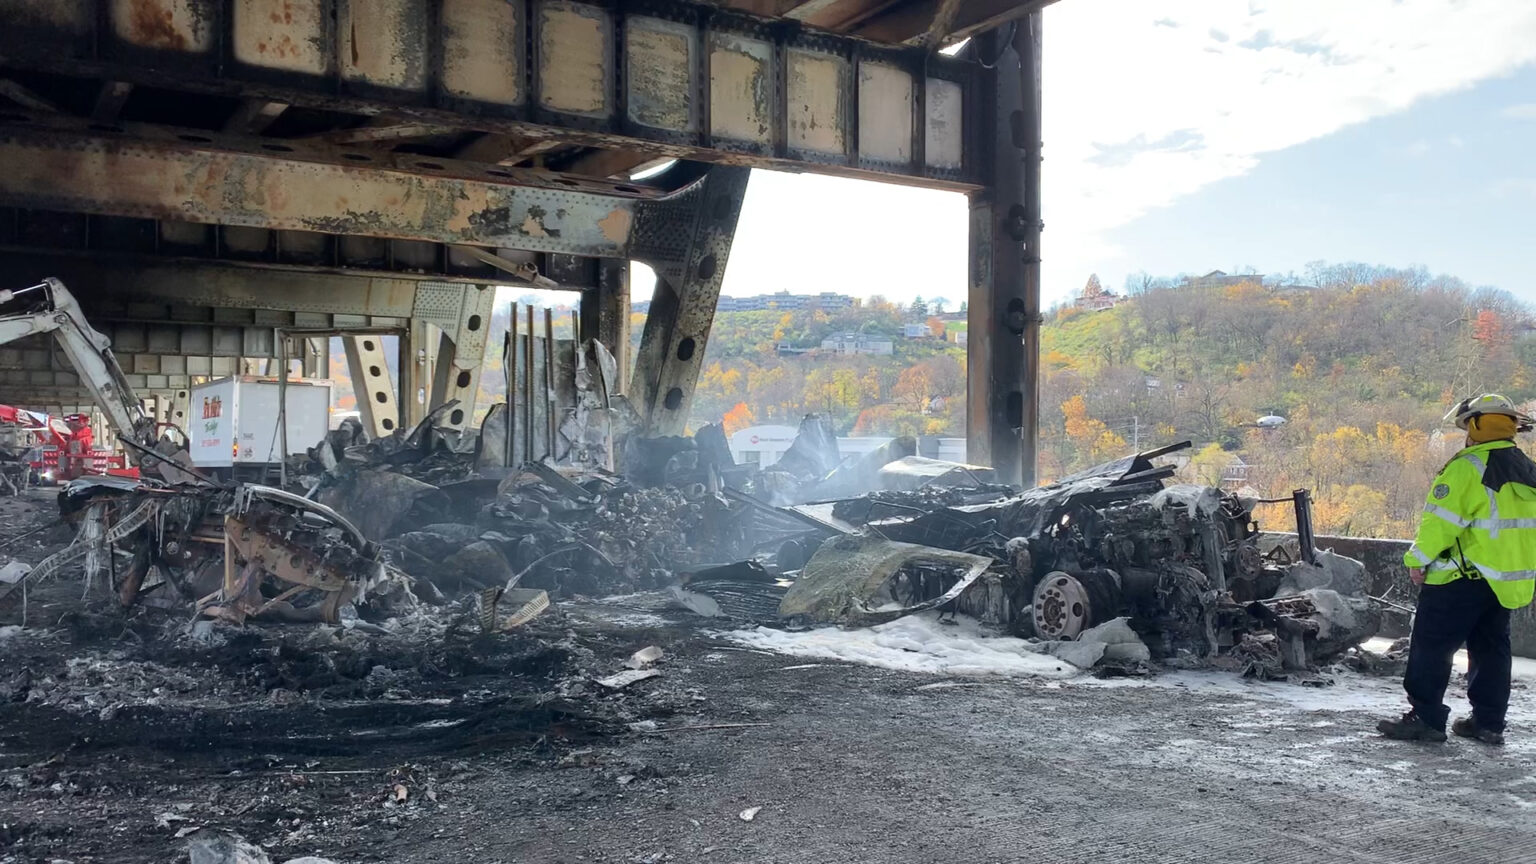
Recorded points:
(1065, 604)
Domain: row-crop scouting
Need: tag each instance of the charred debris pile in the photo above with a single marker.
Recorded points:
(433, 522)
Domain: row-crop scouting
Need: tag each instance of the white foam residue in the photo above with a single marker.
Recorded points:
(1521, 669)
(630, 619)
(1350, 692)
(916, 643)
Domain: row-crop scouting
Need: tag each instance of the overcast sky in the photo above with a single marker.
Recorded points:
(1192, 135)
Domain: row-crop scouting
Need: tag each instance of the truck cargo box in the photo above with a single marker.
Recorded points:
(234, 420)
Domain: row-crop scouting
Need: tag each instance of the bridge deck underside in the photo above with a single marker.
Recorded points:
(278, 151)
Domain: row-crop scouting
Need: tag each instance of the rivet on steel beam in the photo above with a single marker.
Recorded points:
(1017, 225)
(1014, 317)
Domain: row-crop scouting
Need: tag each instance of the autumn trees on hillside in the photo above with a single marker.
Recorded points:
(1361, 362)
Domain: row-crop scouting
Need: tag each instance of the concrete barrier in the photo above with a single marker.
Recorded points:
(1386, 575)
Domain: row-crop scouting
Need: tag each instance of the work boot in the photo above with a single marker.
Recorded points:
(1467, 727)
(1410, 727)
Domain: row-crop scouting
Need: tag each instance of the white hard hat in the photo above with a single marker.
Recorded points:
(1488, 403)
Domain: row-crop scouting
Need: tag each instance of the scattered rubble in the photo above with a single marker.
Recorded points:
(376, 529)
(231, 849)
(861, 579)
(412, 592)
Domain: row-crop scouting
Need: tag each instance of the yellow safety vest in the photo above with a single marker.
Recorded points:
(1470, 531)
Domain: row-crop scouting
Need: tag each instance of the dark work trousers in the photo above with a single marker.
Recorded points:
(1464, 611)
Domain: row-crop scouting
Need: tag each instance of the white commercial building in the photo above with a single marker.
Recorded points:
(858, 343)
(765, 445)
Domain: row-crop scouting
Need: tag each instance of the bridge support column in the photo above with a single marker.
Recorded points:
(461, 316)
(688, 248)
(367, 363)
(1002, 406)
(605, 313)
(317, 357)
(181, 409)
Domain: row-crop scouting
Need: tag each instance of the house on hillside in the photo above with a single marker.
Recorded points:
(1220, 279)
(859, 343)
(1107, 300)
(1235, 472)
(962, 337)
(826, 300)
(831, 300)
(916, 331)
(1094, 297)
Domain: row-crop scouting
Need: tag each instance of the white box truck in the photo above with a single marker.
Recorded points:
(233, 420)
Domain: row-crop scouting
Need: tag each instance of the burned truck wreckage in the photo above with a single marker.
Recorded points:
(369, 529)
(1181, 563)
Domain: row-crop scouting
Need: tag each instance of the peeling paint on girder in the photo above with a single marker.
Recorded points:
(616, 225)
(167, 25)
(114, 178)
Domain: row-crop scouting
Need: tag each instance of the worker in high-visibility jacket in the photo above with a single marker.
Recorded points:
(1475, 560)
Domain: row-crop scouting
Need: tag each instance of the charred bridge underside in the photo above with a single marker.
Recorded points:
(207, 173)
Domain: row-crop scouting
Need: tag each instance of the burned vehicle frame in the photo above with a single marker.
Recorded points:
(1182, 562)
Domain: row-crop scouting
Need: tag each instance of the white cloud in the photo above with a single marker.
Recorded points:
(1522, 111)
(1121, 73)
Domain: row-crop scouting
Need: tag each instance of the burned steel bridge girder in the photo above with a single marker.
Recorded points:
(173, 322)
(255, 187)
(30, 376)
(605, 314)
(462, 316)
(378, 404)
(130, 242)
(153, 173)
(1002, 407)
(679, 79)
(130, 288)
(693, 239)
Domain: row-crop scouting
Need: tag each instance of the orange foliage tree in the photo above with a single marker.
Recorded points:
(737, 419)
(1488, 328)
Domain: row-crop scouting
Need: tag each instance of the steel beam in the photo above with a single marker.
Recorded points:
(30, 377)
(110, 101)
(1004, 348)
(687, 80)
(181, 405)
(154, 173)
(461, 347)
(107, 285)
(254, 116)
(25, 97)
(605, 313)
(317, 358)
(171, 324)
(924, 22)
(128, 242)
(695, 244)
(367, 361)
(420, 360)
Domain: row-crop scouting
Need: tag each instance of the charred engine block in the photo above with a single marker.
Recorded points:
(1164, 560)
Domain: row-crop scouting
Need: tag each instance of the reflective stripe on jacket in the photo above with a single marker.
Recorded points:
(1469, 530)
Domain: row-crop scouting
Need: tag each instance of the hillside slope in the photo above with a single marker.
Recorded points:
(1362, 365)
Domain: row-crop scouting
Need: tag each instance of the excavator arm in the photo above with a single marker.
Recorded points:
(51, 309)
